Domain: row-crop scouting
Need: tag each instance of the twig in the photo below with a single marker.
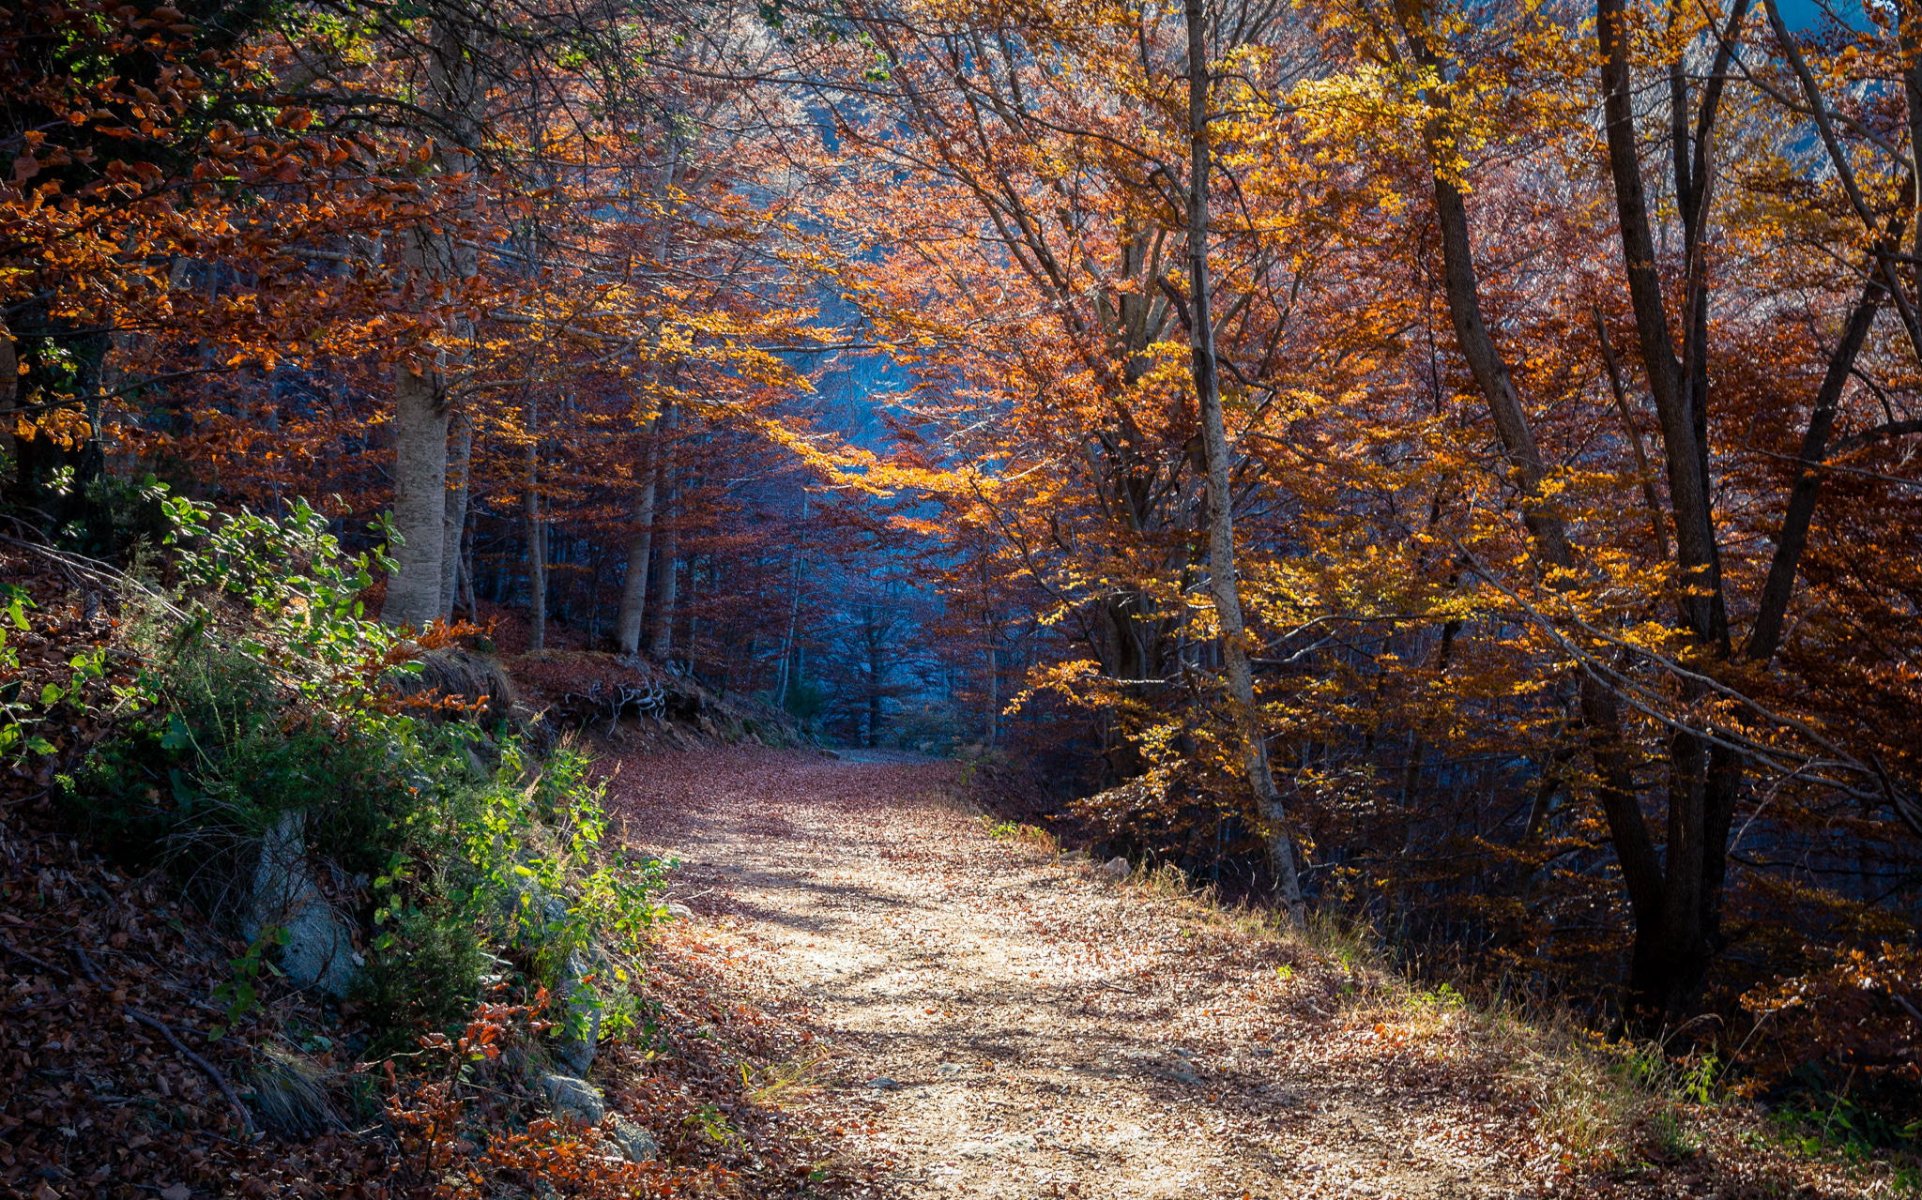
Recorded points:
(36, 960)
(208, 1069)
(1908, 1006)
(86, 966)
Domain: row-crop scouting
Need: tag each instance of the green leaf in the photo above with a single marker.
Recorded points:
(178, 736)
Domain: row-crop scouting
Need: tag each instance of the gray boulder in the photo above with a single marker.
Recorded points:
(572, 1097)
(635, 1143)
(317, 944)
(534, 912)
(578, 1034)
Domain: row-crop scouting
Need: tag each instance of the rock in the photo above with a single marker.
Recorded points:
(578, 1034)
(882, 1083)
(950, 1069)
(572, 1097)
(636, 1144)
(679, 911)
(1115, 868)
(536, 915)
(316, 944)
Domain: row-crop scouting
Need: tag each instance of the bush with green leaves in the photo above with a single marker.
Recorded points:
(261, 688)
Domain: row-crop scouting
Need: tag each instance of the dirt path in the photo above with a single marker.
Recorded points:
(1008, 1023)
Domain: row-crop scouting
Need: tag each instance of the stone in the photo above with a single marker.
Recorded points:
(569, 1096)
(636, 1143)
(578, 1034)
(536, 914)
(882, 1083)
(316, 944)
(679, 911)
(1116, 868)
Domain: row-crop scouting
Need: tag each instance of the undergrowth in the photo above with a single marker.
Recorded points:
(249, 695)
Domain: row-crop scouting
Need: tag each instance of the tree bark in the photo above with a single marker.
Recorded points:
(1680, 412)
(536, 534)
(439, 262)
(640, 552)
(1599, 711)
(1792, 539)
(460, 460)
(667, 574)
(420, 500)
(1221, 522)
(640, 542)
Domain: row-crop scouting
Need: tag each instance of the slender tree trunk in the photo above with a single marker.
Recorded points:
(454, 527)
(993, 731)
(793, 619)
(667, 581)
(1221, 521)
(9, 388)
(467, 580)
(1679, 410)
(1766, 634)
(1601, 722)
(640, 542)
(536, 534)
(640, 552)
(877, 664)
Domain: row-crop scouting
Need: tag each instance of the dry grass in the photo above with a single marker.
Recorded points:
(1612, 1107)
(780, 1082)
(1590, 1115)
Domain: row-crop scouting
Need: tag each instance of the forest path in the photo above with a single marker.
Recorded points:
(1005, 1022)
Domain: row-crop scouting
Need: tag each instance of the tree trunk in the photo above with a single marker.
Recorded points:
(454, 527)
(1600, 712)
(640, 552)
(793, 621)
(666, 594)
(640, 542)
(415, 594)
(1221, 527)
(9, 388)
(1680, 412)
(420, 500)
(536, 535)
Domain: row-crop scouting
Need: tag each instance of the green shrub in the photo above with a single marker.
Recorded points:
(258, 693)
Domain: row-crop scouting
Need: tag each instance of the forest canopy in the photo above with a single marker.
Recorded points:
(1449, 464)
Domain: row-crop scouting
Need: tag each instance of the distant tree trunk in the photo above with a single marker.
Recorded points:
(640, 542)
(536, 534)
(467, 580)
(876, 646)
(689, 623)
(993, 732)
(640, 552)
(667, 589)
(1221, 521)
(9, 388)
(454, 527)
